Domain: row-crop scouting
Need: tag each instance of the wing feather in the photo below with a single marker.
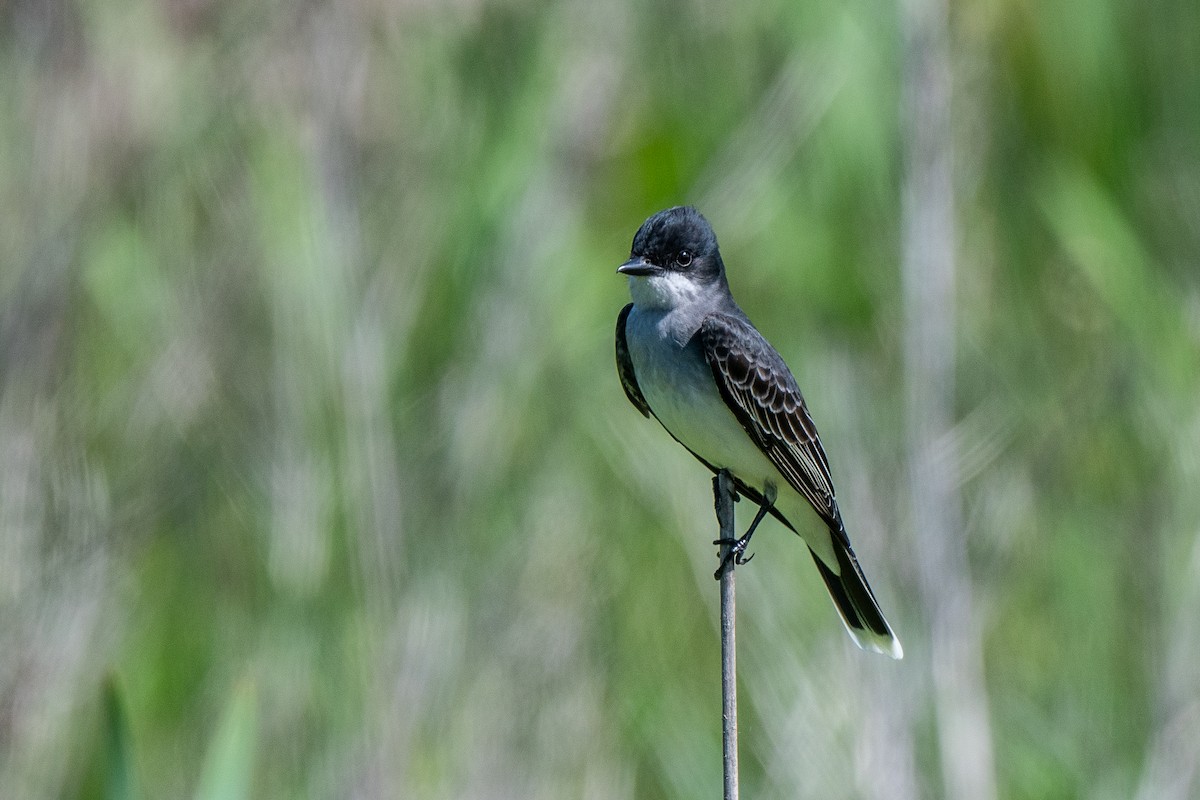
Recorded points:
(761, 392)
(625, 371)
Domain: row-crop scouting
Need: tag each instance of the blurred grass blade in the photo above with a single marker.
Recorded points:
(119, 780)
(1104, 246)
(229, 766)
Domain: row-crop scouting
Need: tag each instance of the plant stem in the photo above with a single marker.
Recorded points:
(723, 492)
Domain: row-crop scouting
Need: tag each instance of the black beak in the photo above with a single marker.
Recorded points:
(638, 265)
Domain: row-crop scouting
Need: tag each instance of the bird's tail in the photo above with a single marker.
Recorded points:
(856, 602)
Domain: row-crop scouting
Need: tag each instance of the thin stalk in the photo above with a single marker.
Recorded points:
(723, 492)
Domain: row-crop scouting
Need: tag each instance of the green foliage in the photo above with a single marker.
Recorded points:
(310, 433)
(228, 768)
(119, 765)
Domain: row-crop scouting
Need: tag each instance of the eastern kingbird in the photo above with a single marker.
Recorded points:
(687, 355)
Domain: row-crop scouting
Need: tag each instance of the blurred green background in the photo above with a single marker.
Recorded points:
(316, 479)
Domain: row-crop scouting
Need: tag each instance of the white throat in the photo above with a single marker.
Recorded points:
(666, 292)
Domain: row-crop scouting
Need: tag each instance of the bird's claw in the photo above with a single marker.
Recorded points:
(737, 547)
(736, 553)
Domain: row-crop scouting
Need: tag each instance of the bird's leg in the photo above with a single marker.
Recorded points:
(737, 547)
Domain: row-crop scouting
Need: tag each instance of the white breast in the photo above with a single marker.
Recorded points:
(678, 384)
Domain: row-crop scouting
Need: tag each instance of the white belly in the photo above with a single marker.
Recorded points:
(679, 386)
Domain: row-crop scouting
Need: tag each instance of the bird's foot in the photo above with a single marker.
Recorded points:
(737, 547)
(736, 552)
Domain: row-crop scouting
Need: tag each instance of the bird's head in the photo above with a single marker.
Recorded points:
(674, 260)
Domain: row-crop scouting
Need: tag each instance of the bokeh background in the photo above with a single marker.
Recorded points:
(316, 479)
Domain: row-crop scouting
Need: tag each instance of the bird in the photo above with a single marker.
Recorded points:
(688, 356)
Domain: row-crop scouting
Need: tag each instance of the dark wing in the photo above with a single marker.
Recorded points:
(761, 392)
(625, 366)
(634, 393)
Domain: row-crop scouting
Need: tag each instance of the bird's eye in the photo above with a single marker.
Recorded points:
(683, 258)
